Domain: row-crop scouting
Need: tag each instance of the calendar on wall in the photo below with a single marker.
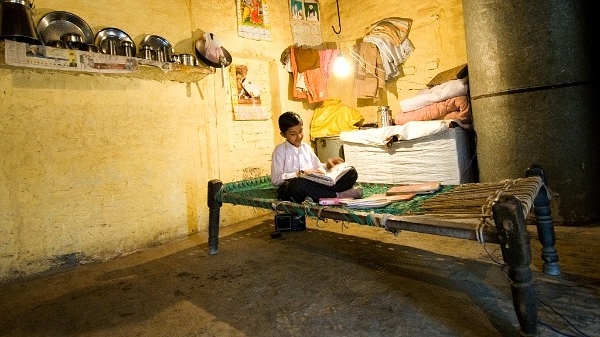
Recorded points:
(253, 20)
(249, 88)
(305, 18)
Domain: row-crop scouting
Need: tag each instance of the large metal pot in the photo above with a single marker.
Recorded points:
(16, 22)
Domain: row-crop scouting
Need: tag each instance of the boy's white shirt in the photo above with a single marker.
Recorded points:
(287, 160)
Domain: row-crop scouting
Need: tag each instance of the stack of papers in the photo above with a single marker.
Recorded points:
(422, 188)
(333, 201)
(376, 201)
(393, 194)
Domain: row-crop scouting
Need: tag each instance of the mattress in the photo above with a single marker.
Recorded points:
(443, 156)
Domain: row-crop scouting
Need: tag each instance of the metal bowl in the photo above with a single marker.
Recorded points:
(71, 37)
(105, 37)
(57, 44)
(159, 44)
(56, 24)
(74, 40)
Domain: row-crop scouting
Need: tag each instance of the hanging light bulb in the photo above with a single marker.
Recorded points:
(341, 66)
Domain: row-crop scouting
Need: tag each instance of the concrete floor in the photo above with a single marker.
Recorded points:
(333, 279)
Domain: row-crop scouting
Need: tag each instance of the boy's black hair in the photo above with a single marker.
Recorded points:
(288, 119)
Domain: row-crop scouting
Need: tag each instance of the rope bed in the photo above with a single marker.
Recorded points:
(259, 192)
(472, 200)
(498, 208)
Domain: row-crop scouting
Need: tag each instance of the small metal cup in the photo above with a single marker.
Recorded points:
(187, 59)
(126, 48)
(385, 116)
(146, 52)
(175, 58)
(160, 55)
(113, 47)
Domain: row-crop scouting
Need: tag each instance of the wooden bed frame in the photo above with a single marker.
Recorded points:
(510, 232)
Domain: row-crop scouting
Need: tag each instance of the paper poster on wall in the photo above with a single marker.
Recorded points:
(305, 18)
(253, 20)
(249, 84)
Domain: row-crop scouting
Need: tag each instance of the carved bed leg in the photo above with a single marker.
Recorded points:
(516, 252)
(544, 224)
(214, 214)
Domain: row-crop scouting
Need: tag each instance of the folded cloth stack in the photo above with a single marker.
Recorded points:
(455, 108)
(448, 100)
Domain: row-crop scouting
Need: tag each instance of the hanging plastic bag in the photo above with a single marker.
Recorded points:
(332, 117)
(213, 48)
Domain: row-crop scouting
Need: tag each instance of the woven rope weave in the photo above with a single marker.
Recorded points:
(476, 199)
(470, 200)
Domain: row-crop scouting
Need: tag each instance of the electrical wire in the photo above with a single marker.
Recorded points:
(577, 330)
(504, 268)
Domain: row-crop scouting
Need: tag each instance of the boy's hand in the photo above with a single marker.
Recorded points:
(314, 171)
(331, 162)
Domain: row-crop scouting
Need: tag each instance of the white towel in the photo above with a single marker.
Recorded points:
(408, 131)
(438, 93)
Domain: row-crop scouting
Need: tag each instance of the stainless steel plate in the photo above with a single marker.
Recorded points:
(201, 55)
(55, 24)
(106, 34)
(158, 42)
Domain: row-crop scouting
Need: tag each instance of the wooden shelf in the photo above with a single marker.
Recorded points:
(180, 73)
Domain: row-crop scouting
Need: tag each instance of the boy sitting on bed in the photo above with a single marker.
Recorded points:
(293, 158)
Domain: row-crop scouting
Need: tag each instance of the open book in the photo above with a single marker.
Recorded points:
(329, 177)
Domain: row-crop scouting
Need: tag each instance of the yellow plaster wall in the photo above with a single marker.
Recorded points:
(437, 33)
(95, 166)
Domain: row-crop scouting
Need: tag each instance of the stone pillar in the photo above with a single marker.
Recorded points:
(532, 89)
